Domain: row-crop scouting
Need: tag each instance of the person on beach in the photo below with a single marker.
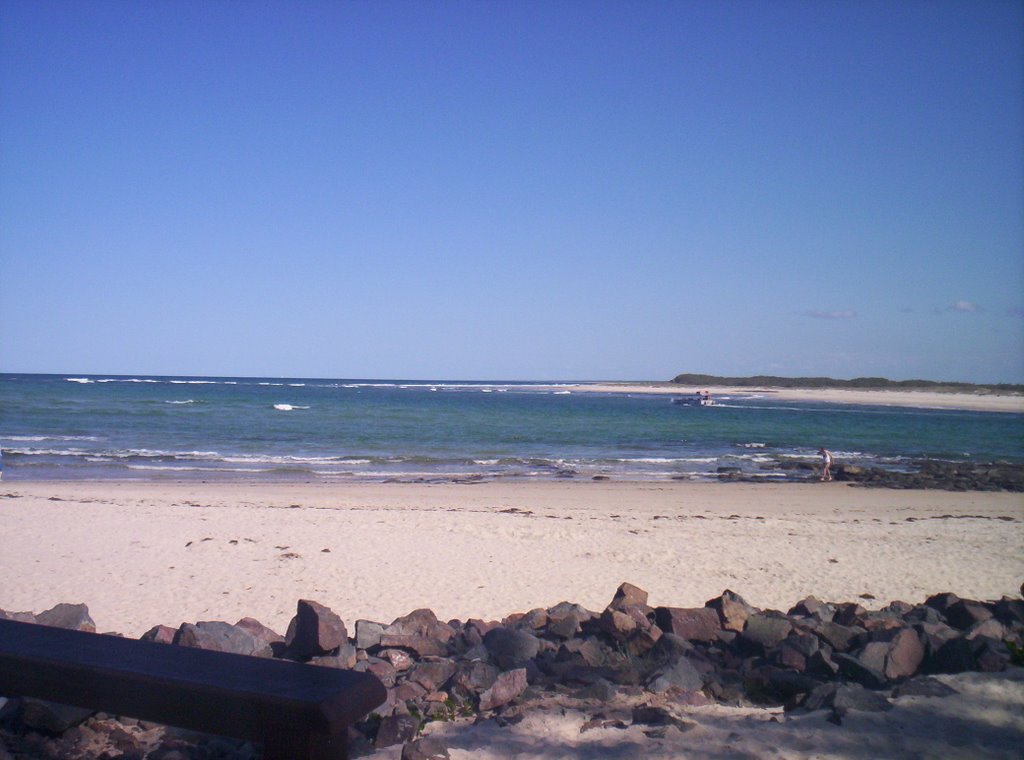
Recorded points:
(826, 464)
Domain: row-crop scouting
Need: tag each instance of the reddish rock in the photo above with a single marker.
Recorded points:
(422, 622)
(812, 607)
(218, 636)
(628, 595)
(384, 670)
(696, 624)
(421, 645)
(619, 625)
(732, 610)
(260, 631)
(905, 655)
(434, 673)
(161, 634)
(315, 630)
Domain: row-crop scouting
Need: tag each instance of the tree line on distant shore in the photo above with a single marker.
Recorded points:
(857, 383)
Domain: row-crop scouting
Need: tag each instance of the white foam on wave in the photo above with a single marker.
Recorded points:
(186, 401)
(288, 407)
(180, 468)
(35, 438)
(82, 380)
(562, 393)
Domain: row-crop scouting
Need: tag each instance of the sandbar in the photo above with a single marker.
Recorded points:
(975, 402)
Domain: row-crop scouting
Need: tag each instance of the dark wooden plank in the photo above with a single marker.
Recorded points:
(216, 692)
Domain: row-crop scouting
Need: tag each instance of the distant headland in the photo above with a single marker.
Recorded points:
(857, 383)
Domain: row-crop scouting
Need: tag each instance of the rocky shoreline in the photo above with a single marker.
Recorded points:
(630, 664)
(922, 474)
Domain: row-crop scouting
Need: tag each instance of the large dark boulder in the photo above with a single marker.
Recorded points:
(315, 630)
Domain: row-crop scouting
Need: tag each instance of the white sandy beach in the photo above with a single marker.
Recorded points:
(145, 553)
(976, 402)
(141, 554)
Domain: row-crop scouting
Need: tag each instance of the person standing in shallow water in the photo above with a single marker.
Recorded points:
(826, 464)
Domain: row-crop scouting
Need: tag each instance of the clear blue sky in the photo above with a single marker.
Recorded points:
(513, 190)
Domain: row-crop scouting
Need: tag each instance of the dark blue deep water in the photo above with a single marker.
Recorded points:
(94, 427)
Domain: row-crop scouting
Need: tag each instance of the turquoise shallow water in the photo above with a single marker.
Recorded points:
(96, 427)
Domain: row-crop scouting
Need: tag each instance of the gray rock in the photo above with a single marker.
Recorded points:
(315, 630)
(845, 697)
(509, 646)
(855, 670)
(564, 624)
(218, 636)
(74, 617)
(989, 627)
(649, 715)
(51, 717)
(368, 634)
(426, 748)
(873, 655)
(681, 675)
(473, 678)
(21, 617)
(763, 632)
(822, 665)
(924, 686)
(505, 688)
(839, 637)
(396, 729)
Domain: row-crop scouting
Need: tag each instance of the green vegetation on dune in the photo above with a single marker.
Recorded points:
(858, 383)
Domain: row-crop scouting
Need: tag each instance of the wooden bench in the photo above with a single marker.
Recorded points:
(296, 710)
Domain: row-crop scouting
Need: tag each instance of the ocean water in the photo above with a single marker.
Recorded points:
(158, 428)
